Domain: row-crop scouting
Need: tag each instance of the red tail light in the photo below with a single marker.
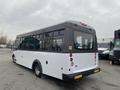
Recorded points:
(70, 53)
(71, 59)
(95, 58)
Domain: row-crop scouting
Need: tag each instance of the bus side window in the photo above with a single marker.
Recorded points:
(61, 32)
(58, 44)
(55, 33)
(29, 43)
(49, 34)
(47, 41)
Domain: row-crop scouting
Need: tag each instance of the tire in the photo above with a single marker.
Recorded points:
(113, 62)
(38, 70)
(13, 58)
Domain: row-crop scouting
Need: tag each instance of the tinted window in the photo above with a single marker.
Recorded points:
(57, 44)
(29, 43)
(59, 33)
(56, 33)
(53, 41)
(48, 41)
(83, 41)
(53, 44)
(49, 34)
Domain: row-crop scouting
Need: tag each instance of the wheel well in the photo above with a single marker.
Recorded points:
(13, 55)
(34, 63)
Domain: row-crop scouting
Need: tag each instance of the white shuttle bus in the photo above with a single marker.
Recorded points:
(67, 51)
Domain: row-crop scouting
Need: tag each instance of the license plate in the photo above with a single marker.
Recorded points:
(97, 70)
(78, 77)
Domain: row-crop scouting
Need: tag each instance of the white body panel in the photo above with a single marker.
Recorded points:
(56, 61)
(84, 62)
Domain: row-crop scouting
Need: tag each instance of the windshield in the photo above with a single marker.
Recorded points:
(103, 45)
(83, 41)
(117, 43)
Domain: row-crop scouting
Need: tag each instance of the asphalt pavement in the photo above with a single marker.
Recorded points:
(16, 77)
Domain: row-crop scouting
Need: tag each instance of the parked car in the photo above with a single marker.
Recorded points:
(103, 53)
(2, 46)
(115, 48)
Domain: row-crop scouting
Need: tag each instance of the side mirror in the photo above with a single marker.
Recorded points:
(111, 45)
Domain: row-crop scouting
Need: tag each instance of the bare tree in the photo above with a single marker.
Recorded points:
(10, 43)
(3, 38)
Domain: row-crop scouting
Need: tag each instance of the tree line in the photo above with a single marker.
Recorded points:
(3, 39)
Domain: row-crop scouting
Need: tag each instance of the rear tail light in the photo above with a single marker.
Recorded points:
(71, 59)
(95, 58)
(70, 53)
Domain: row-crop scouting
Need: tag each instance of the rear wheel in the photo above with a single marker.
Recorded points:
(112, 62)
(13, 58)
(38, 70)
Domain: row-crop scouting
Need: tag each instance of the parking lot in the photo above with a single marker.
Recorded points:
(15, 77)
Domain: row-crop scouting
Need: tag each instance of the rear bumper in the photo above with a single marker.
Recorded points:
(79, 75)
(103, 56)
(113, 58)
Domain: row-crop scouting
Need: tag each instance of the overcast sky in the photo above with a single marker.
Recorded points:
(20, 16)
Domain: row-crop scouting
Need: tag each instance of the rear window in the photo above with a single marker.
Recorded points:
(83, 41)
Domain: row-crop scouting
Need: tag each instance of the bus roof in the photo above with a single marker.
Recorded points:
(59, 27)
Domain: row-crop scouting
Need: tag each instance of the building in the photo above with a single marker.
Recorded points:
(3, 46)
(104, 42)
